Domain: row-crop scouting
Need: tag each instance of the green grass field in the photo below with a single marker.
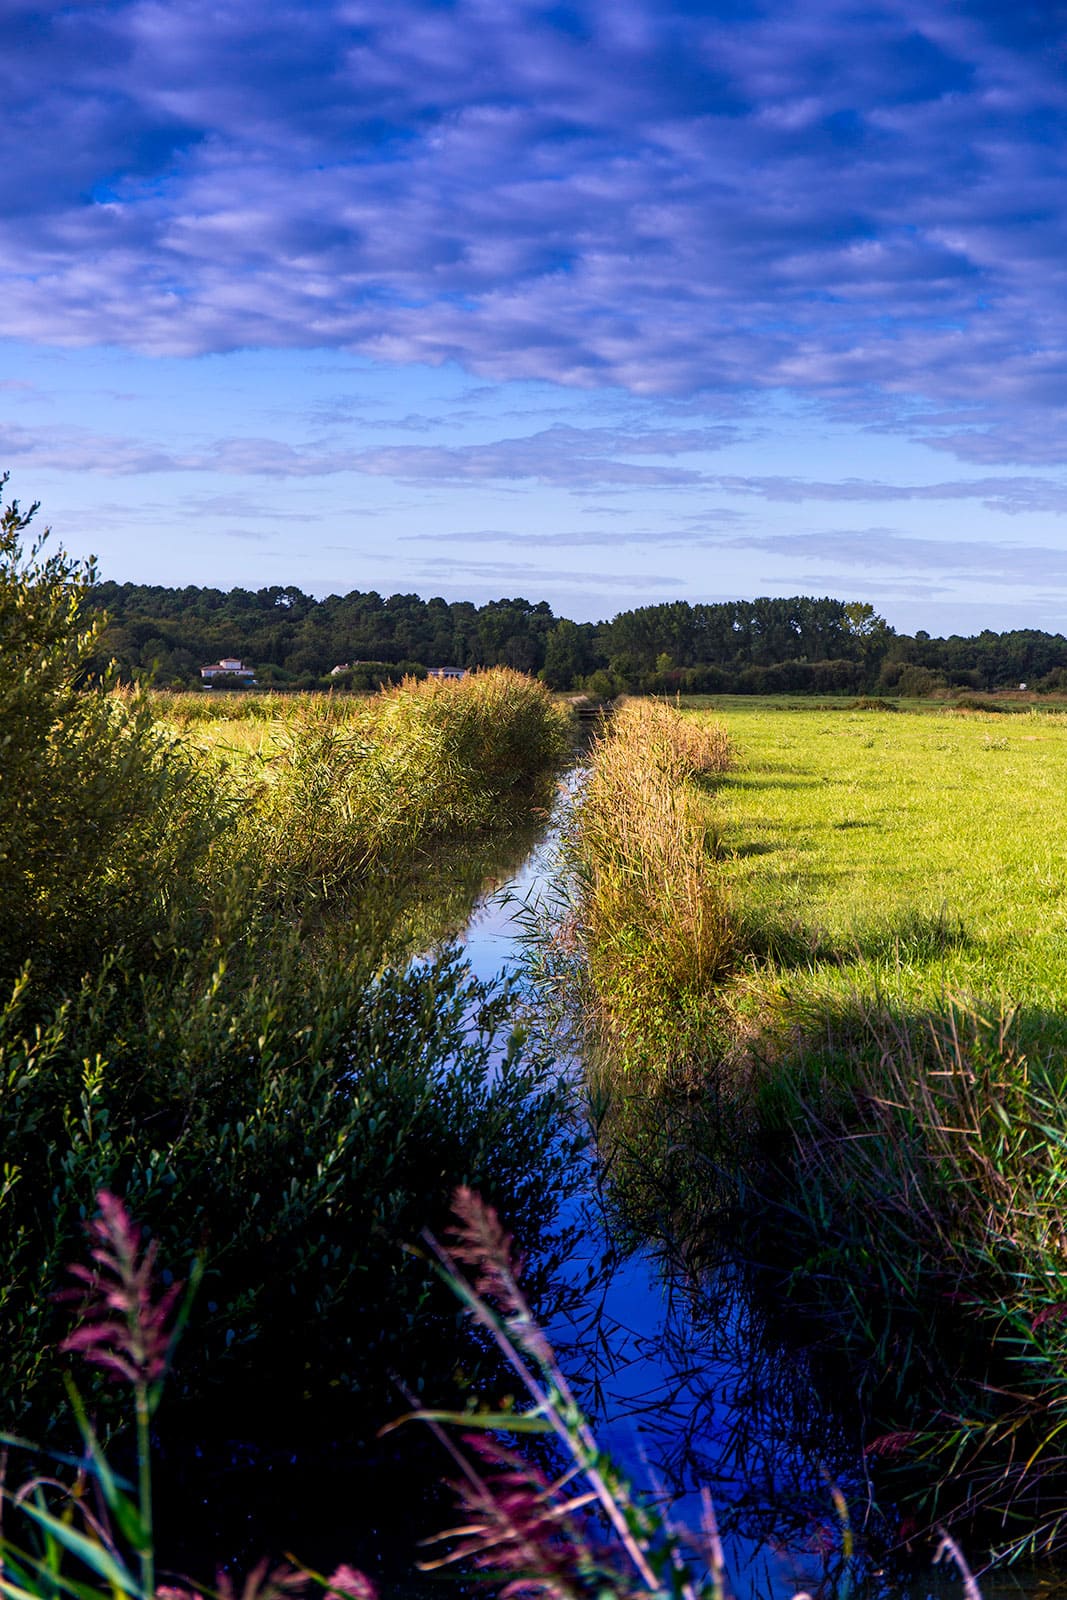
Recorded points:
(905, 856)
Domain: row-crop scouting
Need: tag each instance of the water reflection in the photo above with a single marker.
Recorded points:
(690, 1385)
(684, 1382)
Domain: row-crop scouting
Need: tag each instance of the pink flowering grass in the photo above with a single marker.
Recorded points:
(582, 1534)
(578, 1534)
(93, 1539)
(124, 1316)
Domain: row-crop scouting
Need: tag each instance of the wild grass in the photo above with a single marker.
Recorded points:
(657, 926)
(568, 1526)
(915, 1196)
(180, 1020)
(332, 788)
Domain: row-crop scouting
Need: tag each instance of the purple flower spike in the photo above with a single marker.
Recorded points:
(345, 1583)
(124, 1323)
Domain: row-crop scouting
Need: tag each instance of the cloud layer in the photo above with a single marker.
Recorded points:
(861, 202)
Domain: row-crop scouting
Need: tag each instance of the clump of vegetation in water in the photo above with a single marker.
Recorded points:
(180, 1023)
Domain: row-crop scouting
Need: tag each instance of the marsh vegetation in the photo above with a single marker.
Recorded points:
(814, 956)
(858, 1088)
(225, 1000)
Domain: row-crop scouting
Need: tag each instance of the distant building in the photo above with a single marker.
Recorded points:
(228, 667)
(447, 672)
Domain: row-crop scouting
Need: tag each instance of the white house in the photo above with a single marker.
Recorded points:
(447, 672)
(228, 667)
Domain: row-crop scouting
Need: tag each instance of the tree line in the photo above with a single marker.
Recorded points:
(800, 644)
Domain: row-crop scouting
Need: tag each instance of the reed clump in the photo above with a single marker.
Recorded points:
(917, 1167)
(351, 786)
(657, 926)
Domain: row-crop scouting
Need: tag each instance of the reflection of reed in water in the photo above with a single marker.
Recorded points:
(690, 1385)
(406, 910)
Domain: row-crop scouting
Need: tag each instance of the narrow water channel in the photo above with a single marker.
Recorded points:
(677, 1375)
(686, 1386)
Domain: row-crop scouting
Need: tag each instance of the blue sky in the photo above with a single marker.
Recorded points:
(603, 303)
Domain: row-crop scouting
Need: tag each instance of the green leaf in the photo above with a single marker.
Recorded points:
(54, 1581)
(94, 1555)
(490, 1421)
(125, 1511)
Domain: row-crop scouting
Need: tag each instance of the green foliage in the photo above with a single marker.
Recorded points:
(181, 1022)
(345, 790)
(297, 1119)
(95, 1536)
(656, 928)
(913, 1183)
(291, 638)
(917, 683)
(800, 644)
(892, 1156)
(100, 811)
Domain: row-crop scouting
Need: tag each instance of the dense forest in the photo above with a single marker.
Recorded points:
(293, 640)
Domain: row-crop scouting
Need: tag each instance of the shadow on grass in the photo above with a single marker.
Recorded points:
(912, 938)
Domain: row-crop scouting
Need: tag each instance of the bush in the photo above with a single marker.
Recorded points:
(298, 1122)
(101, 812)
(917, 683)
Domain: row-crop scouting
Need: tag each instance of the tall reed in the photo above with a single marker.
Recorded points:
(349, 788)
(922, 1163)
(657, 927)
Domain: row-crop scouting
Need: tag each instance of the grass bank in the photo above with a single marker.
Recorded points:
(181, 1023)
(653, 917)
(877, 1106)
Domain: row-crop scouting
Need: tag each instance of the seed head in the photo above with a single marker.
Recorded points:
(124, 1314)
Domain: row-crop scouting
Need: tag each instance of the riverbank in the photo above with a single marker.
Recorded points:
(205, 1011)
(859, 1112)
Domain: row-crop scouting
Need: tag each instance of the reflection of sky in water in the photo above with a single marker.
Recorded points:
(681, 1406)
(491, 936)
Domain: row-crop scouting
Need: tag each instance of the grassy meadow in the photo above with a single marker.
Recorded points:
(905, 857)
(862, 1082)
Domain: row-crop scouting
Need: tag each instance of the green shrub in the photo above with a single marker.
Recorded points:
(299, 1121)
(175, 1028)
(102, 814)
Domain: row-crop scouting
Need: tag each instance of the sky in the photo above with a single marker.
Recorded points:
(605, 303)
